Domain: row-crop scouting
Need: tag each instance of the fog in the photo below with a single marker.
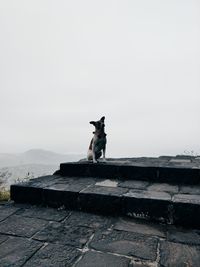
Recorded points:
(64, 63)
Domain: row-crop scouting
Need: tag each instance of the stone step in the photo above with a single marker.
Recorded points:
(128, 171)
(165, 203)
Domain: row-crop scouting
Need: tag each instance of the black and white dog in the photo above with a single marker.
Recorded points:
(98, 142)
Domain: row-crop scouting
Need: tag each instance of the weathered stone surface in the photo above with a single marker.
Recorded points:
(147, 204)
(3, 238)
(25, 193)
(105, 190)
(163, 188)
(100, 199)
(186, 212)
(54, 255)
(176, 160)
(97, 259)
(21, 226)
(179, 255)
(16, 251)
(67, 235)
(183, 236)
(125, 243)
(141, 169)
(57, 198)
(73, 187)
(179, 175)
(134, 184)
(189, 189)
(185, 198)
(44, 213)
(143, 194)
(134, 226)
(107, 182)
(6, 211)
(88, 220)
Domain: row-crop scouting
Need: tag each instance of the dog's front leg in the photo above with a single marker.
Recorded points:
(104, 154)
(93, 153)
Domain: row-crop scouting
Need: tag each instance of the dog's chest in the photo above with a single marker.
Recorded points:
(99, 143)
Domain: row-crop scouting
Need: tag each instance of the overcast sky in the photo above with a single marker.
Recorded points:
(64, 63)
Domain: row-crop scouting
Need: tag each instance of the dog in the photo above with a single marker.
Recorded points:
(98, 142)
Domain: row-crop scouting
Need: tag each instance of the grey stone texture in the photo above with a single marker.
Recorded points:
(15, 251)
(61, 233)
(179, 255)
(43, 213)
(6, 211)
(53, 255)
(99, 259)
(84, 239)
(21, 226)
(126, 243)
(130, 225)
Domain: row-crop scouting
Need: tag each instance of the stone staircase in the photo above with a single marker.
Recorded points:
(156, 191)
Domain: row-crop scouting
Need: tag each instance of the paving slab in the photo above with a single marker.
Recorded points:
(183, 236)
(21, 226)
(61, 233)
(43, 213)
(189, 189)
(81, 239)
(15, 251)
(162, 187)
(89, 220)
(133, 184)
(126, 243)
(54, 255)
(179, 255)
(6, 211)
(131, 225)
(3, 238)
(98, 259)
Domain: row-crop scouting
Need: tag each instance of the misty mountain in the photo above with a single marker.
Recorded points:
(30, 164)
(36, 156)
(12, 175)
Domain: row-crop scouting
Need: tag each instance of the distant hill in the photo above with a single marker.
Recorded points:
(36, 156)
(12, 175)
(30, 164)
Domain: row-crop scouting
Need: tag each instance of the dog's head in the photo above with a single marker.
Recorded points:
(99, 125)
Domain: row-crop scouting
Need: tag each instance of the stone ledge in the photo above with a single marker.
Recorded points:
(114, 198)
(126, 171)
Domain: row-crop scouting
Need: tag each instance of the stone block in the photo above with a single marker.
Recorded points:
(99, 199)
(184, 236)
(131, 225)
(15, 251)
(48, 214)
(179, 255)
(54, 255)
(6, 211)
(61, 233)
(148, 204)
(21, 226)
(98, 259)
(126, 243)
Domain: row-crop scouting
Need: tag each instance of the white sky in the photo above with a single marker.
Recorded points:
(64, 63)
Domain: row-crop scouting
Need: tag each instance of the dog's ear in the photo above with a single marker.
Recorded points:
(102, 119)
(92, 122)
